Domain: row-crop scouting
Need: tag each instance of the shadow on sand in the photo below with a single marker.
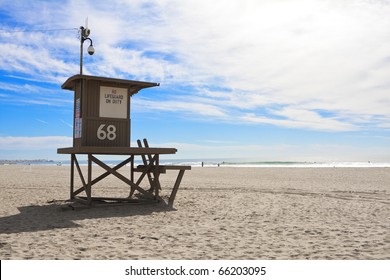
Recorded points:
(56, 215)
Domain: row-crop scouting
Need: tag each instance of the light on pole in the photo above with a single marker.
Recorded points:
(84, 33)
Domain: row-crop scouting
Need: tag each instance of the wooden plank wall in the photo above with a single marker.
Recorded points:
(91, 120)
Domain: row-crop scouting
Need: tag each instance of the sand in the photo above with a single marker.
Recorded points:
(219, 213)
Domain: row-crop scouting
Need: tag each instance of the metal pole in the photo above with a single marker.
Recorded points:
(81, 69)
(81, 49)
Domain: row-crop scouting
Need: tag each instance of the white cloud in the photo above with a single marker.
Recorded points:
(34, 143)
(298, 118)
(292, 60)
(296, 55)
(279, 152)
(189, 107)
(22, 94)
(33, 61)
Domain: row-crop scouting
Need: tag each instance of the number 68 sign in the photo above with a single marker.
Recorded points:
(108, 132)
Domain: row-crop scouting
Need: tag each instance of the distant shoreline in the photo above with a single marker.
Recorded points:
(212, 163)
(24, 161)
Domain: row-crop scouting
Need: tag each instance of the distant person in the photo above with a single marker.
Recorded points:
(202, 163)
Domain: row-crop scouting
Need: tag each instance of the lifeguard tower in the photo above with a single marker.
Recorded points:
(102, 110)
(102, 126)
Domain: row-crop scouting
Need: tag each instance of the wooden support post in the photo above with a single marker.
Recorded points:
(81, 178)
(175, 188)
(145, 161)
(132, 169)
(89, 185)
(72, 159)
(80, 172)
(156, 181)
(131, 176)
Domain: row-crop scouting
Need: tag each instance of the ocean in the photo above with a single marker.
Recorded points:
(216, 163)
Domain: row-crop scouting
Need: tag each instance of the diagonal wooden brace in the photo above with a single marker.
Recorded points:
(121, 177)
(97, 179)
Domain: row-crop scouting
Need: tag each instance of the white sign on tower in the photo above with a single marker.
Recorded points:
(113, 102)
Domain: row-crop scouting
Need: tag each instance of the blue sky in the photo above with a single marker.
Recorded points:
(253, 80)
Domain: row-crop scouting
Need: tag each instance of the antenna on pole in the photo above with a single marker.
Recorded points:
(86, 30)
(84, 36)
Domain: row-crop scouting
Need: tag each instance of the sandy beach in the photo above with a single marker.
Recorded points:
(219, 213)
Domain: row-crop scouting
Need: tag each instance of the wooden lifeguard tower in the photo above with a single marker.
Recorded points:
(102, 110)
(102, 126)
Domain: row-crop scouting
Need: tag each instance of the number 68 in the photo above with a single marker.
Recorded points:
(108, 134)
